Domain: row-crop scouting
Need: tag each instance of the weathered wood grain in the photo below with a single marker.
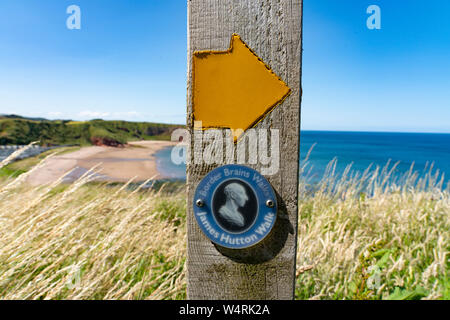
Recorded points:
(273, 29)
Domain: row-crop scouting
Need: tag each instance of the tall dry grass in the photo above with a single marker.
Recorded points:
(374, 236)
(366, 236)
(90, 242)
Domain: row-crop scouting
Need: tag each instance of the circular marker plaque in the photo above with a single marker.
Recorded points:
(235, 206)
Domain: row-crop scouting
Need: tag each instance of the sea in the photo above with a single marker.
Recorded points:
(358, 149)
(34, 150)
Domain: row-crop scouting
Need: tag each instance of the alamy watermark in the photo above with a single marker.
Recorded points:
(73, 22)
(224, 146)
(374, 20)
(374, 281)
(74, 279)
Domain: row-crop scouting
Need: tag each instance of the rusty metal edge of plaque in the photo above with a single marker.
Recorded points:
(235, 206)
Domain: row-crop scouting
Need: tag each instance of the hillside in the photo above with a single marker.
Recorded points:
(16, 130)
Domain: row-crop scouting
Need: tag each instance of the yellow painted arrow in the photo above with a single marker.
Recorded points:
(234, 89)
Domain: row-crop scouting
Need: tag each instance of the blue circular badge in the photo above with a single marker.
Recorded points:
(235, 206)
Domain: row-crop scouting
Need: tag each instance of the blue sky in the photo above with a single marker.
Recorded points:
(128, 62)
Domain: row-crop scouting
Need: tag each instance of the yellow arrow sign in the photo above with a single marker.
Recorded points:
(234, 89)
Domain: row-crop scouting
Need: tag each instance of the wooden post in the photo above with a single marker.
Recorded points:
(273, 30)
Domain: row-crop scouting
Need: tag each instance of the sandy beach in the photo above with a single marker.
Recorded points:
(136, 160)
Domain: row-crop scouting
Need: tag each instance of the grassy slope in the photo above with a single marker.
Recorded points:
(85, 241)
(18, 131)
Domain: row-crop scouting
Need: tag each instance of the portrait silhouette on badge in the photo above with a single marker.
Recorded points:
(235, 206)
(236, 198)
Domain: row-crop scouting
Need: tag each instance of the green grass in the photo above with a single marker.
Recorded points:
(8, 171)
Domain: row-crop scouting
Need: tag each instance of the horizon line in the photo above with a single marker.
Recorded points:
(180, 124)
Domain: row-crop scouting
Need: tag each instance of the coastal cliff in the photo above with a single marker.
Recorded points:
(17, 130)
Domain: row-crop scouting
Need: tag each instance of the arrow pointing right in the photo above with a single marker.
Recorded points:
(234, 89)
